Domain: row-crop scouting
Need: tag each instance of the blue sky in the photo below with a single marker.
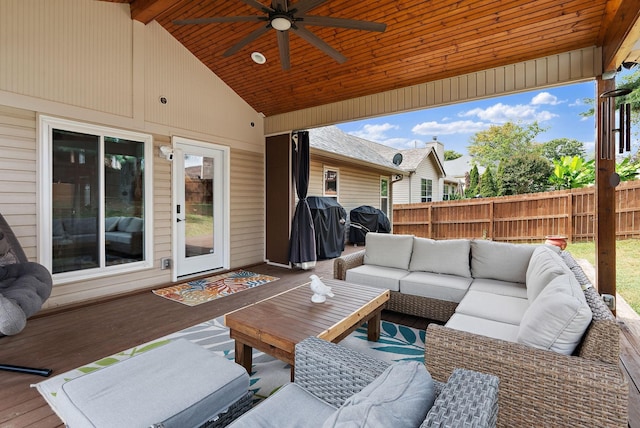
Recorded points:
(557, 109)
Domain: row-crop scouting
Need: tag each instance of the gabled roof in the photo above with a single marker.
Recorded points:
(330, 140)
(456, 168)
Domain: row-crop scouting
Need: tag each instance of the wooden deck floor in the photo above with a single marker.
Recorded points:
(63, 340)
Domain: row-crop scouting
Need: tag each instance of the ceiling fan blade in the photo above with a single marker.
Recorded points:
(283, 47)
(319, 43)
(327, 21)
(305, 5)
(216, 19)
(280, 5)
(257, 5)
(250, 38)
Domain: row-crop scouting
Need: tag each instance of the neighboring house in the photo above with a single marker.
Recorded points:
(345, 167)
(457, 169)
(423, 178)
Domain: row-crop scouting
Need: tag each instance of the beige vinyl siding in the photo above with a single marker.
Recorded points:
(59, 49)
(356, 185)
(247, 208)
(87, 61)
(553, 70)
(426, 169)
(18, 175)
(401, 190)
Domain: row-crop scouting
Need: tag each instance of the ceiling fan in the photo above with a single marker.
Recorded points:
(283, 18)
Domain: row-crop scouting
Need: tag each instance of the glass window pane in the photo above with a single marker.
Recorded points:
(198, 183)
(75, 204)
(124, 200)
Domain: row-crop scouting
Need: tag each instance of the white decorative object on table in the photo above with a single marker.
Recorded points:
(320, 290)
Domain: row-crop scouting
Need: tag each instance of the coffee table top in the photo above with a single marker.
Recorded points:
(290, 317)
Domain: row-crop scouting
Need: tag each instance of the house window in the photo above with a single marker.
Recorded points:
(384, 195)
(426, 190)
(96, 194)
(331, 176)
(445, 193)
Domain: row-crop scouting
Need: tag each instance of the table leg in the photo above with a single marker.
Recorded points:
(373, 327)
(244, 355)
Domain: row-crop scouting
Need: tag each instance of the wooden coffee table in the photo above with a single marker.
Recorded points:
(275, 325)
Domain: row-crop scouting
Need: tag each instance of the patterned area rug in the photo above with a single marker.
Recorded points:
(396, 343)
(200, 291)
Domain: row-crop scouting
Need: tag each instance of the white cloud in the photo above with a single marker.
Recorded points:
(375, 133)
(545, 98)
(457, 127)
(502, 113)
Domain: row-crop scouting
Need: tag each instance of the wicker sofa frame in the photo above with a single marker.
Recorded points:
(334, 373)
(537, 387)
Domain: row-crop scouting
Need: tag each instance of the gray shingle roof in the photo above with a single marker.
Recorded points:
(331, 139)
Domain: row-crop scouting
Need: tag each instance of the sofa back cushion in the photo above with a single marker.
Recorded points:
(387, 250)
(500, 260)
(544, 266)
(449, 256)
(558, 318)
(400, 397)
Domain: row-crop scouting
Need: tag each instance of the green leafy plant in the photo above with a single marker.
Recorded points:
(570, 172)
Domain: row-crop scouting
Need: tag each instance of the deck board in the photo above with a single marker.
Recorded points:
(66, 339)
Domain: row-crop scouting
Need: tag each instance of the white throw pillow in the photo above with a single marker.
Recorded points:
(557, 318)
(543, 267)
(384, 249)
(449, 256)
(500, 260)
(400, 397)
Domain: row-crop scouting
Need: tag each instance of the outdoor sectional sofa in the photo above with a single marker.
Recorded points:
(123, 235)
(525, 313)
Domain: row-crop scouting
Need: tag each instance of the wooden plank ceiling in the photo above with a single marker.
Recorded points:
(424, 40)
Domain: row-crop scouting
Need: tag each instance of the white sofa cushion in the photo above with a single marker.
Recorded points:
(387, 250)
(557, 318)
(376, 276)
(400, 397)
(544, 266)
(484, 327)
(500, 260)
(493, 307)
(289, 407)
(449, 256)
(450, 288)
(495, 286)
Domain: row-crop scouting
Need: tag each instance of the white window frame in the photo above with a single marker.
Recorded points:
(324, 182)
(46, 126)
(383, 178)
(427, 196)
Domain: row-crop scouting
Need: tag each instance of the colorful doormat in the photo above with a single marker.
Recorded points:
(396, 343)
(193, 293)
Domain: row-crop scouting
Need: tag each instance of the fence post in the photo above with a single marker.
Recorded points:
(491, 220)
(569, 227)
(430, 223)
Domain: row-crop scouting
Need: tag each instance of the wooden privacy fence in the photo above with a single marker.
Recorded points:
(520, 218)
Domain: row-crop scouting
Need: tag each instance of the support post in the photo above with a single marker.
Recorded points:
(605, 217)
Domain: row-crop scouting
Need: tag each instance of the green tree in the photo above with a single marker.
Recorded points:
(525, 173)
(487, 184)
(502, 142)
(474, 178)
(498, 179)
(570, 172)
(451, 155)
(559, 147)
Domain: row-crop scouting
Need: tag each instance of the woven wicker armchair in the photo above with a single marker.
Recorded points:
(333, 373)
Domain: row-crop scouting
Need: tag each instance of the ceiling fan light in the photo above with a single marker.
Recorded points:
(281, 23)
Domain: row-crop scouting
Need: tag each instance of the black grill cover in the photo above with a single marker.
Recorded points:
(366, 219)
(329, 220)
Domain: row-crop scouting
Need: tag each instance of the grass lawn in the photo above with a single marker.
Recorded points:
(627, 267)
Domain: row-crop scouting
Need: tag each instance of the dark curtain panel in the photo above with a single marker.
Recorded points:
(302, 244)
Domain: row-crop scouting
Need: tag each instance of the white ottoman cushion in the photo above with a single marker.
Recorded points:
(179, 384)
